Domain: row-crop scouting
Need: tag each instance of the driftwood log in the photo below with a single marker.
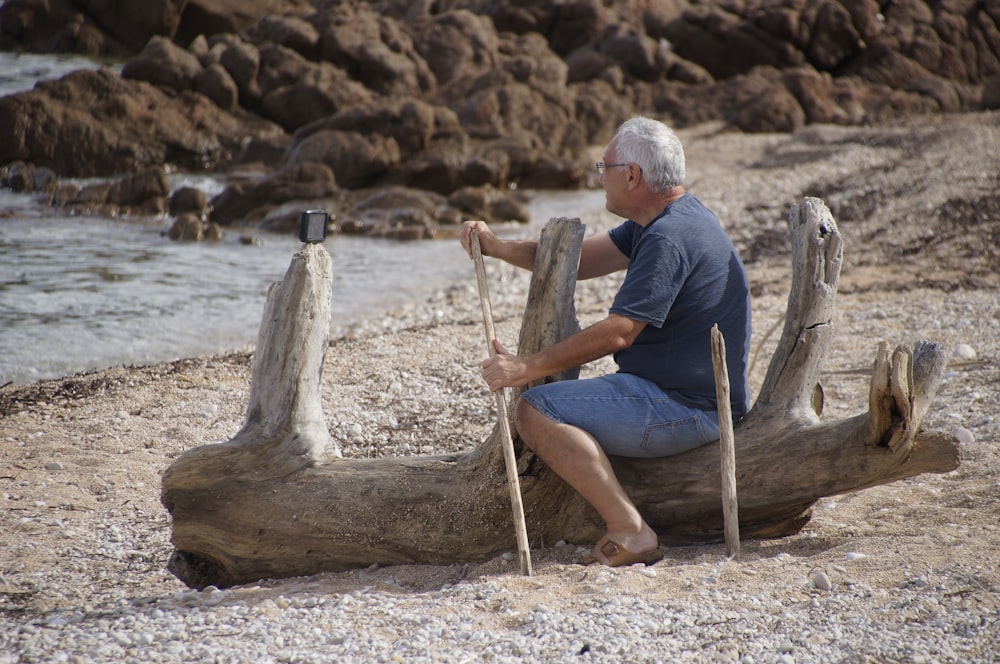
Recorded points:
(278, 501)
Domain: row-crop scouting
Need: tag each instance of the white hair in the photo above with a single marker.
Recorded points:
(655, 148)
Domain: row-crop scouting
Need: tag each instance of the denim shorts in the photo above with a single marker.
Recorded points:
(627, 415)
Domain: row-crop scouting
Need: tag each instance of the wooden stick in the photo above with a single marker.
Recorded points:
(501, 397)
(730, 506)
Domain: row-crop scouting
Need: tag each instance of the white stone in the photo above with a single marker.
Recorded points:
(965, 352)
(821, 581)
(963, 435)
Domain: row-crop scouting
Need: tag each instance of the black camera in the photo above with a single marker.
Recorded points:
(312, 226)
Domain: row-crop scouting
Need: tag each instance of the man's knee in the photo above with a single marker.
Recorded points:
(526, 421)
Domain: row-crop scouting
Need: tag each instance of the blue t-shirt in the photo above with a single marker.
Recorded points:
(684, 276)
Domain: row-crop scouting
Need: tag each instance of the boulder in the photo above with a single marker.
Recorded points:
(242, 61)
(356, 158)
(190, 201)
(209, 17)
(409, 224)
(215, 83)
(320, 91)
(95, 28)
(261, 153)
(280, 66)
(599, 110)
(394, 212)
(135, 23)
(164, 63)
(577, 23)
(411, 123)
(190, 227)
(27, 178)
(823, 99)
(292, 32)
(143, 193)
(373, 49)
(489, 204)
(104, 28)
(639, 55)
(95, 123)
(457, 44)
(147, 189)
(760, 102)
(246, 203)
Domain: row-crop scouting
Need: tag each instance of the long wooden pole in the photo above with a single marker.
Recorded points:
(727, 445)
(501, 397)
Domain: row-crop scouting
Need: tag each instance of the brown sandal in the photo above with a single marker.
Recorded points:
(619, 556)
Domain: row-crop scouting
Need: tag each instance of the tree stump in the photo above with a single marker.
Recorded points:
(278, 501)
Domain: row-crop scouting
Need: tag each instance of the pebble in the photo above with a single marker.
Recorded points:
(963, 435)
(821, 581)
(965, 353)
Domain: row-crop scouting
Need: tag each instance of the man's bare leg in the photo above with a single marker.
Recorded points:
(576, 457)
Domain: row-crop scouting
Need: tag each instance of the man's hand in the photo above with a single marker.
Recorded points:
(520, 253)
(487, 239)
(503, 369)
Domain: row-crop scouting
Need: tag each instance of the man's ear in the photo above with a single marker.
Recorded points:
(634, 173)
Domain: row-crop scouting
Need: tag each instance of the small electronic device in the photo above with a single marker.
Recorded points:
(312, 226)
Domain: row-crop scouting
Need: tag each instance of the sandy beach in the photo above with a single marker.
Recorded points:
(904, 572)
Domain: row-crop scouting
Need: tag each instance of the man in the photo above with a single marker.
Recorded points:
(683, 276)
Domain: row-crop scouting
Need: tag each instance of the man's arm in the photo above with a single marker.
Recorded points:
(598, 255)
(607, 336)
(520, 253)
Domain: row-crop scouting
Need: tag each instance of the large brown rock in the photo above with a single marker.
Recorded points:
(394, 212)
(142, 193)
(94, 123)
(100, 28)
(105, 27)
(457, 44)
(215, 83)
(209, 17)
(320, 91)
(372, 48)
(525, 101)
(446, 167)
(246, 203)
(411, 123)
(733, 38)
(293, 32)
(21, 177)
(242, 60)
(356, 159)
(165, 64)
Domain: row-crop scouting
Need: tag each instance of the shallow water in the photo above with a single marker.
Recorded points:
(90, 293)
(80, 293)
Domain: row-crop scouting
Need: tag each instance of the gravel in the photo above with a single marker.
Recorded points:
(904, 572)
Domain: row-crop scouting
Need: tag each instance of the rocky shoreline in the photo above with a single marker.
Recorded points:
(406, 117)
(905, 572)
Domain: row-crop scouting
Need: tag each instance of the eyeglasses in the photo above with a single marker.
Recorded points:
(601, 166)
